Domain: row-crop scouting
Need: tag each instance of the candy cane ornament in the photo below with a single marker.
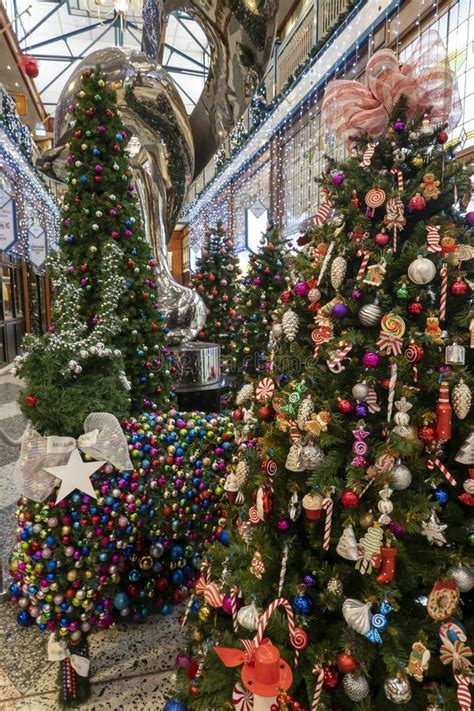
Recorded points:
(433, 238)
(327, 505)
(391, 391)
(284, 562)
(435, 462)
(234, 591)
(298, 637)
(399, 174)
(363, 265)
(343, 348)
(319, 672)
(454, 651)
(368, 155)
(325, 263)
(444, 292)
(324, 209)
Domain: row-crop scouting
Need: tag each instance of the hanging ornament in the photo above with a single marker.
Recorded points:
(443, 600)
(433, 530)
(242, 698)
(305, 410)
(265, 390)
(376, 273)
(397, 689)
(293, 459)
(414, 354)
(338, 272)
(370, 545)
(290, 324)
(244, 395)
(332, 677)
(204, 613)
(231, 488)
(433, 238)
(374, 198)
(394, 218)
(264, 501)
(248, 617)
(338, 354)
(433, 330)
(422, 270)
(360, 447)
(313, 506)
(387, 573)
(463, 576)
(346, 662)
(242, 472)
(356, 687)
(417, 203)
(370, 315)
(257, 566)
(357, 615)
(400, 476)
(311, 456)
(294, 507)
(461, 398)
(467, 497)
(443, 413)
(418, 660)
(334, 587)
(366, 519)
(459, 287)
(455, 354)
(360, 391)
(385, 506)
(392, 329)
(349, 499)
(347, 544)
(302, 604)
(430, 187)
(402, 418)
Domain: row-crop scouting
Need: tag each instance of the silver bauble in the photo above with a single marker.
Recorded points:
(277, 331)
(355, 686)
(463, 576)
(422, 270)
(248, 617)
(311, 456)
(400, 476)
(370, 315)
(360, 391)
(314, 295)
(397, 689)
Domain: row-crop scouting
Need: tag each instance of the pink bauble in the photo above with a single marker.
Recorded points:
(370, 359)
(381, 238)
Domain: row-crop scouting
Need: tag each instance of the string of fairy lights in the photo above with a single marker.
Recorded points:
(292, 133)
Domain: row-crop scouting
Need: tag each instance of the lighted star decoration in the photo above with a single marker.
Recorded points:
(75, 475)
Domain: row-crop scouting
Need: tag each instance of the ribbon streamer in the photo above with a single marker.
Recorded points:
(58, 652)
(425, 80)
(435, 462)
(103, 440)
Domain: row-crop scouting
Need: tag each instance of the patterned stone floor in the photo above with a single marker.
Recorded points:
(131, 665)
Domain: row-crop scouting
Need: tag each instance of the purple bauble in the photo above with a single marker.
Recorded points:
(356, 294)
(397, 529)
(301, 288)
(283, 524)
(370, 359)
(337, 178)
(182, 661)
(309, 580)
(227, 604)
(257, 281)
(470, 218)
(399, 125)
(339, 311)
(361, 409)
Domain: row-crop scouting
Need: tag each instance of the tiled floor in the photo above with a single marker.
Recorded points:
(131, 665)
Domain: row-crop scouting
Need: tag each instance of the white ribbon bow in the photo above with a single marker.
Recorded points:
(58, 651)
(103, 440)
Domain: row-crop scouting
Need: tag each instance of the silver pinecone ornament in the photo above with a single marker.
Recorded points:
(305, 411)
(311, 456)
(355, 686)
(290, 324)
(334, 586)
(241, 473)
(244, 395)
(338, 272)
(461, 397)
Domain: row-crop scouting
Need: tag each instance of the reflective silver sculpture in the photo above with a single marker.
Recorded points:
(173, 147)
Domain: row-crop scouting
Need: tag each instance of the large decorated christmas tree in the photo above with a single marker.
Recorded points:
(347, 579)
(216, 280)
(105, 351)
(263, 286)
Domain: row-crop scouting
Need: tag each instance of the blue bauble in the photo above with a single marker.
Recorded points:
(441, 496)
(121, 601)
(224, 537)
(167, 609)
(96, 152)
(24, 618)
(176, 577)
(173, 705)
(302, 605)
(83, 179)
(176, 553)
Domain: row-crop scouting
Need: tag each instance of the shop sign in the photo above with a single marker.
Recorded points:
(7, 221)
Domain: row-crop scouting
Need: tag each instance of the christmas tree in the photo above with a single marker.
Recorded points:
(263, 284)
(352, 548)
(106, 327)
(259, 107)
(217, 282)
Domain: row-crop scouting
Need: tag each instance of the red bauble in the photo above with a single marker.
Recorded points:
(415, 308)
(77, 134)
(417, 203)
(442, 137)
(31, 401)
(349, 499)
(346, 663)
(237, 415)
(332, 677)
(426, 433)
(211, 277)
(286, 296)
(86, 73)
(192, 669)
(202, 335)
(265, 413)
(29, 65)
(90, 113)
(459, 288)
(344, 406)
(381, 238)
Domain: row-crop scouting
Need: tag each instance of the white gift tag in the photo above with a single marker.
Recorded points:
(60, 445)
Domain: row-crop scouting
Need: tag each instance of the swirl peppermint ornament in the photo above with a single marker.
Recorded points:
(374, 198)
(392, 330)
(253, 515)
(265, 389)
(269, 467)
(299, 638)
(242, 699)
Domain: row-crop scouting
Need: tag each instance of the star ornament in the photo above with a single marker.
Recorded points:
(75, 475)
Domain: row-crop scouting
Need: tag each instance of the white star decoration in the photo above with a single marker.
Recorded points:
(75, 475)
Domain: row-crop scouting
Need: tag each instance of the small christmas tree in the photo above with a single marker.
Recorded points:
(259, 107)
(352, 549)
(216, 281)
(263, 285)
(105, 318)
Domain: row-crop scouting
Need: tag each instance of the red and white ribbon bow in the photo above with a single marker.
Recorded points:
(454, 651)
(433, 238)
(390, 343)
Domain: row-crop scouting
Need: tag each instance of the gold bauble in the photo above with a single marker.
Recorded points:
(204, 613)
(367, 519)
(197, 635)
(417, 161)
(146, 562)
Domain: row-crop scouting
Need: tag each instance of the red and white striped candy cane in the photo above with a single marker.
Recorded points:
(342, 350)
(324, 209)
(399, 174)
(234, 591)
(295, 435)
(325, 263)
(319, 672)
(433, 238)
(458, 654)
(363, 265)
(368, 155)
(463, 693)
(298, 637)
(328, 506)
(435, 462)
(444, 292)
